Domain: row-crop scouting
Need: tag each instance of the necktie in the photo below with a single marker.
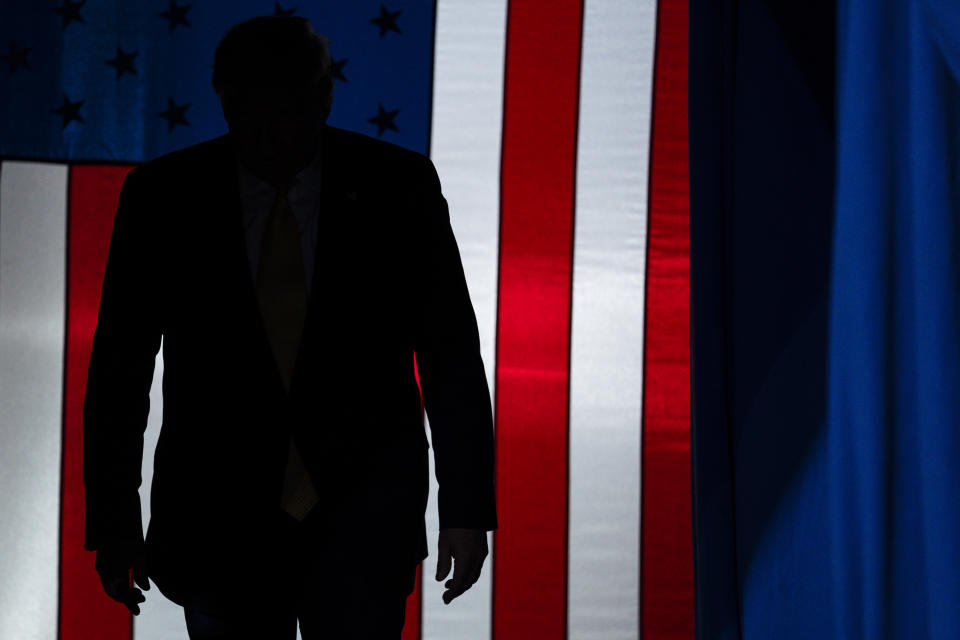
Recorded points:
(282, 295)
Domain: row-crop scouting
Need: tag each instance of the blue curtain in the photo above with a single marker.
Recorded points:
(893, 424)
(825, 273)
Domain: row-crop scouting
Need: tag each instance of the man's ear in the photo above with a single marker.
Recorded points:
(225, 110)
(225, 95)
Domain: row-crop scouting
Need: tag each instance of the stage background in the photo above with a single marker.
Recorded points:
(559, 131)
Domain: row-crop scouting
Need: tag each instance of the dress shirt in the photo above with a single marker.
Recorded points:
(257, 197)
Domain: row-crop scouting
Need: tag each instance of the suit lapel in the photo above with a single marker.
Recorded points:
(335, 208)
(335, 211)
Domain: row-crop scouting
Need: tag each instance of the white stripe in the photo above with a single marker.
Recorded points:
(606, 374)
(465, 148)
(159, 618)
(33, 223)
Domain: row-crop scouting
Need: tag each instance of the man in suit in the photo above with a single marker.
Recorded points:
(298, 273)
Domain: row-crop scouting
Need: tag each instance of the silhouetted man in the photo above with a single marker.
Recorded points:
(293, 270)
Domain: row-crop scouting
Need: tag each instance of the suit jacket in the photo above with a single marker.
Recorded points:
(388, 286)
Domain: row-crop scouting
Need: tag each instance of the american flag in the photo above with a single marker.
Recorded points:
(559, 131)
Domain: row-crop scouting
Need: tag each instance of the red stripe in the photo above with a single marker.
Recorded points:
(538, 166)
(667, 548)
(411, 622)
(414, 614)
(85, 610)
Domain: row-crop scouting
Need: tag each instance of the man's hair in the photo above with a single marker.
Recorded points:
(281, 49)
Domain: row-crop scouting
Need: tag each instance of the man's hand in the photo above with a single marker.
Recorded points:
(114, 564)
(469, 547)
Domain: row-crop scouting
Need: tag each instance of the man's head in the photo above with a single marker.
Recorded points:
(273, 76)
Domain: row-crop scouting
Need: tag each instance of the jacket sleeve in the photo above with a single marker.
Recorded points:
(117, 401)
(456, 396)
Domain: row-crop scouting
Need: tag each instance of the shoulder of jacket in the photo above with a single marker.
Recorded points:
(188, 160)
(368, 150)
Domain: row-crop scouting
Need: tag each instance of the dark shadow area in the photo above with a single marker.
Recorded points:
(761, 176)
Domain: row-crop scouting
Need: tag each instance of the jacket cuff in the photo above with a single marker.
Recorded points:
(115, 522)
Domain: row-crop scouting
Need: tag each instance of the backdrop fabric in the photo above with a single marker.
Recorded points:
(825, 352)
(893, 427)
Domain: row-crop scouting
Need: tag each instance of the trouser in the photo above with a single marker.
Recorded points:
(336, 586)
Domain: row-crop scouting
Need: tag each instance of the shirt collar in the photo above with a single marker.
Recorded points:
(309, 178)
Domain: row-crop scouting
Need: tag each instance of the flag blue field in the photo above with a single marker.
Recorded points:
(126, 82)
